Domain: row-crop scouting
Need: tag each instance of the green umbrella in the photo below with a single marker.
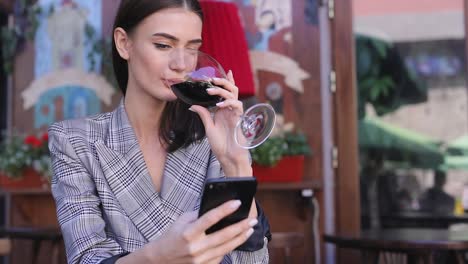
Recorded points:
(456, 157)
(399, 145)
(455, 163)
(459, 146)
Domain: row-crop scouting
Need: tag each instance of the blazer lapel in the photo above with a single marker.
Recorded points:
(184, 177)
(124, 167)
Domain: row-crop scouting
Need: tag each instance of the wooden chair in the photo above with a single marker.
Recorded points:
(5, 246)
(37, 235)
(285, 241)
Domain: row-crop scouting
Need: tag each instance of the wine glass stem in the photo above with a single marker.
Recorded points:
(250, 124)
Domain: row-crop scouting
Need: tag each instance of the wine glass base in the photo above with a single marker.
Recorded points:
(255, 126)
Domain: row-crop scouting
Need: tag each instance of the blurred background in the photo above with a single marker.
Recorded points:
(371, 98)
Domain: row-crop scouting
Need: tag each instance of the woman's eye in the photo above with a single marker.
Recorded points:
(161, 46)
(193, 48)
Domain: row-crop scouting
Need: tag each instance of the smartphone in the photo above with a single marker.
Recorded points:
(219, 190)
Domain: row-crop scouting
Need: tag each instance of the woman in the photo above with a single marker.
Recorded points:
(127, 183)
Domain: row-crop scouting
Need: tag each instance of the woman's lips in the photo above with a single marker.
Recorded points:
(171, 82)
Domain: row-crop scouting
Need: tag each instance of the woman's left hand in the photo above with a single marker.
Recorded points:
(220, 127)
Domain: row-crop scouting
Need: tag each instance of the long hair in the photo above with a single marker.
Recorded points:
(179, 127)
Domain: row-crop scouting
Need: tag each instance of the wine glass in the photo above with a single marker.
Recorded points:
(257, 122)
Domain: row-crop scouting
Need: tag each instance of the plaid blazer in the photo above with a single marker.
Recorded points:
(106, 201)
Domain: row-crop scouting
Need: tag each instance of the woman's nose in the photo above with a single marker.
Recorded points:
(180, 60)
(177, 61)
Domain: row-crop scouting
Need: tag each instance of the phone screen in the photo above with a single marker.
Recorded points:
(220, 190)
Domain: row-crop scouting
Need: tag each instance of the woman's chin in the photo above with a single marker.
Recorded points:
(171, 95)
(171, 98)
(168, 95)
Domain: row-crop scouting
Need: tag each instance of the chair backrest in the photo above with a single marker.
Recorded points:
(5, 246)
(285, 241)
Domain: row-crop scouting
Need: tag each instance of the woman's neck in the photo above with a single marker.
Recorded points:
(144, 114)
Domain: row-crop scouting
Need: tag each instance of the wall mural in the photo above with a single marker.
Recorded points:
(267, 25)
(66, 85)
(271, 29)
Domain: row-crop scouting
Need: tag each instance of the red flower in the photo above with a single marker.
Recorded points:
(33, 141)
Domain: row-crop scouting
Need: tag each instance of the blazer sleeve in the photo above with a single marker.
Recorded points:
(255, 249)
(77, 203)
(261, 231)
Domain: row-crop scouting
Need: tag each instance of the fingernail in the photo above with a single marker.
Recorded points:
(235, 204)
(216, 78)
(210, 89)
(249, 232)
(253, 222)
(220, 103)
(190, 109)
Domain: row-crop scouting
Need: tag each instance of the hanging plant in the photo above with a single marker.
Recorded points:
(9, 44)
(100, 47)
(26, 22)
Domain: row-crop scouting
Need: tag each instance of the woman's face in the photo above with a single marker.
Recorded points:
(155, 49)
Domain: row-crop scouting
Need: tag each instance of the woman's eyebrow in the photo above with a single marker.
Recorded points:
(173, 38)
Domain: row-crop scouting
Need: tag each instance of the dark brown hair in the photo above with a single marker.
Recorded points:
(179, 126)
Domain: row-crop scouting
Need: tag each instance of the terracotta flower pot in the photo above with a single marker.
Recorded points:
(29, 180)
(288, 169)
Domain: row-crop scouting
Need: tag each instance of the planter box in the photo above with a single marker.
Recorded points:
(30, 180)
(288, 169)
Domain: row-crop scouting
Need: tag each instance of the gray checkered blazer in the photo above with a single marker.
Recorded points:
(105, 198)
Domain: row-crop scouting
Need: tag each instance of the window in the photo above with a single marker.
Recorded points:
(3, 82)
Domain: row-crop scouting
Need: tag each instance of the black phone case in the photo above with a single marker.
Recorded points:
(219, 190)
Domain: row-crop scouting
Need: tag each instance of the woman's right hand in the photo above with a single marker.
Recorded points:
(186, 241)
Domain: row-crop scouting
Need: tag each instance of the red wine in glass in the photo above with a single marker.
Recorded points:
(257, 122)
(194, 93)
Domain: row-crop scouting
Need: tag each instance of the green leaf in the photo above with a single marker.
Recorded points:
(273, 149)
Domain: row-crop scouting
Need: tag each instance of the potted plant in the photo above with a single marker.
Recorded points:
(281, 157)
(24, 162)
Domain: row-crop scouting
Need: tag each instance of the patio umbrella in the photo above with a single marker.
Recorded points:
(399, 145)
(459, 146)
(454, 163)
(456, 157)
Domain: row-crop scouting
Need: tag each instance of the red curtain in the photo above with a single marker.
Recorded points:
(224, 39)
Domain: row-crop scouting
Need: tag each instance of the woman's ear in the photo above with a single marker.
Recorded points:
(122, 42)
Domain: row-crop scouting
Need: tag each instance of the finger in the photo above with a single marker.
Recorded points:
(226, 234)
(226, 94)
(205, 116)
(230, 77)
(231, 104)
(227, 85)
(225, 248)
(212, 217)
(184, 220)
(187, 217)
(215, 260)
